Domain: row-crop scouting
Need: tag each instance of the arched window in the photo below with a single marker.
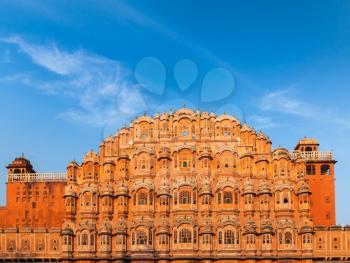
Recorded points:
(185, 197)
(325, 169)
(219, 198)
(229, 237)
(288, 238)
(143, 163)
(310, 169)
(185, 236)
(141, 238)
(228, 198)
(84, 239)
(236, 197)
(92, 239)
(142, 199)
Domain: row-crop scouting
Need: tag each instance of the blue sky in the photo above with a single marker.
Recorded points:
(72, 73)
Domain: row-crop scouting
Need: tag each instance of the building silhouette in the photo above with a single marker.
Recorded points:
(183, 186)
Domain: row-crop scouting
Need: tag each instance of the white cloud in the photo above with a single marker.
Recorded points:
(285, 101)
(264, 122)
(99, 85)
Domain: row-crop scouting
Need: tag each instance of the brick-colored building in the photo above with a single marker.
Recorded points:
(182, 186)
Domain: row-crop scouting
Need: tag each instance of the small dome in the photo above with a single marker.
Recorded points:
(248, 187)
(73, 164)
(250, 227)
(69, 191)
(306, 229)
(164, 152)
(20, 165)
(164, 188)
(205, 152)
(67, 230)
(105, 228)
(266, 226)
(207, 229)
(91, 156)
(122, 189)
(205, 189)
(264, 188)
(304, 188)
(107, 189)
(122, 227)
(246, 128)
(279, 153)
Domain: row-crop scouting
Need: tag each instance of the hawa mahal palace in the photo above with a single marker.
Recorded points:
(182, 186)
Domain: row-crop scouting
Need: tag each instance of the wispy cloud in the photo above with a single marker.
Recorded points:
(264, 122)
(101, 86)
(286, 101)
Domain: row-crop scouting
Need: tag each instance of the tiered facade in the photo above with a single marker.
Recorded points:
(190, 186)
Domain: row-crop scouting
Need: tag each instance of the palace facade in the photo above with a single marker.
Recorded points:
(183, 186)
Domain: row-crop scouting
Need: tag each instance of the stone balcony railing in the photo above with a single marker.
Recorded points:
(37, 177)
(313, 155)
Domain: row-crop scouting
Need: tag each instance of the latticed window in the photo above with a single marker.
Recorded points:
(306, 238)
(185, 160)
(228, 198)
(84, 239)
(206, 239)
(144, 134)
(142, 199)
(310, 169)
(236, 197)
(248, 199)
(141, 238)
(92, 239)
(151, 198)
(250, 239)
(185, 197)
(266, 239)
(226, 131)
(229, 237)
(288, 238)
(143, 164)
(185, 236)
(220, 237)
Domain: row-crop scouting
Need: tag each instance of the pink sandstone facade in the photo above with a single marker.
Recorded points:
(182, 186)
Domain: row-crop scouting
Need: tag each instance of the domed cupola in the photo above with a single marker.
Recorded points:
(105, 228)
(90, 156)
(164, 153)
(164, 188)
(20, 165)
(69, 192)
(122, 189)
(248, 187)
(250, 227)
(205, 152)
(106, 190)
(121, 227)
(304, 189)
(205, 189)
(264, 188)
(266, 226)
